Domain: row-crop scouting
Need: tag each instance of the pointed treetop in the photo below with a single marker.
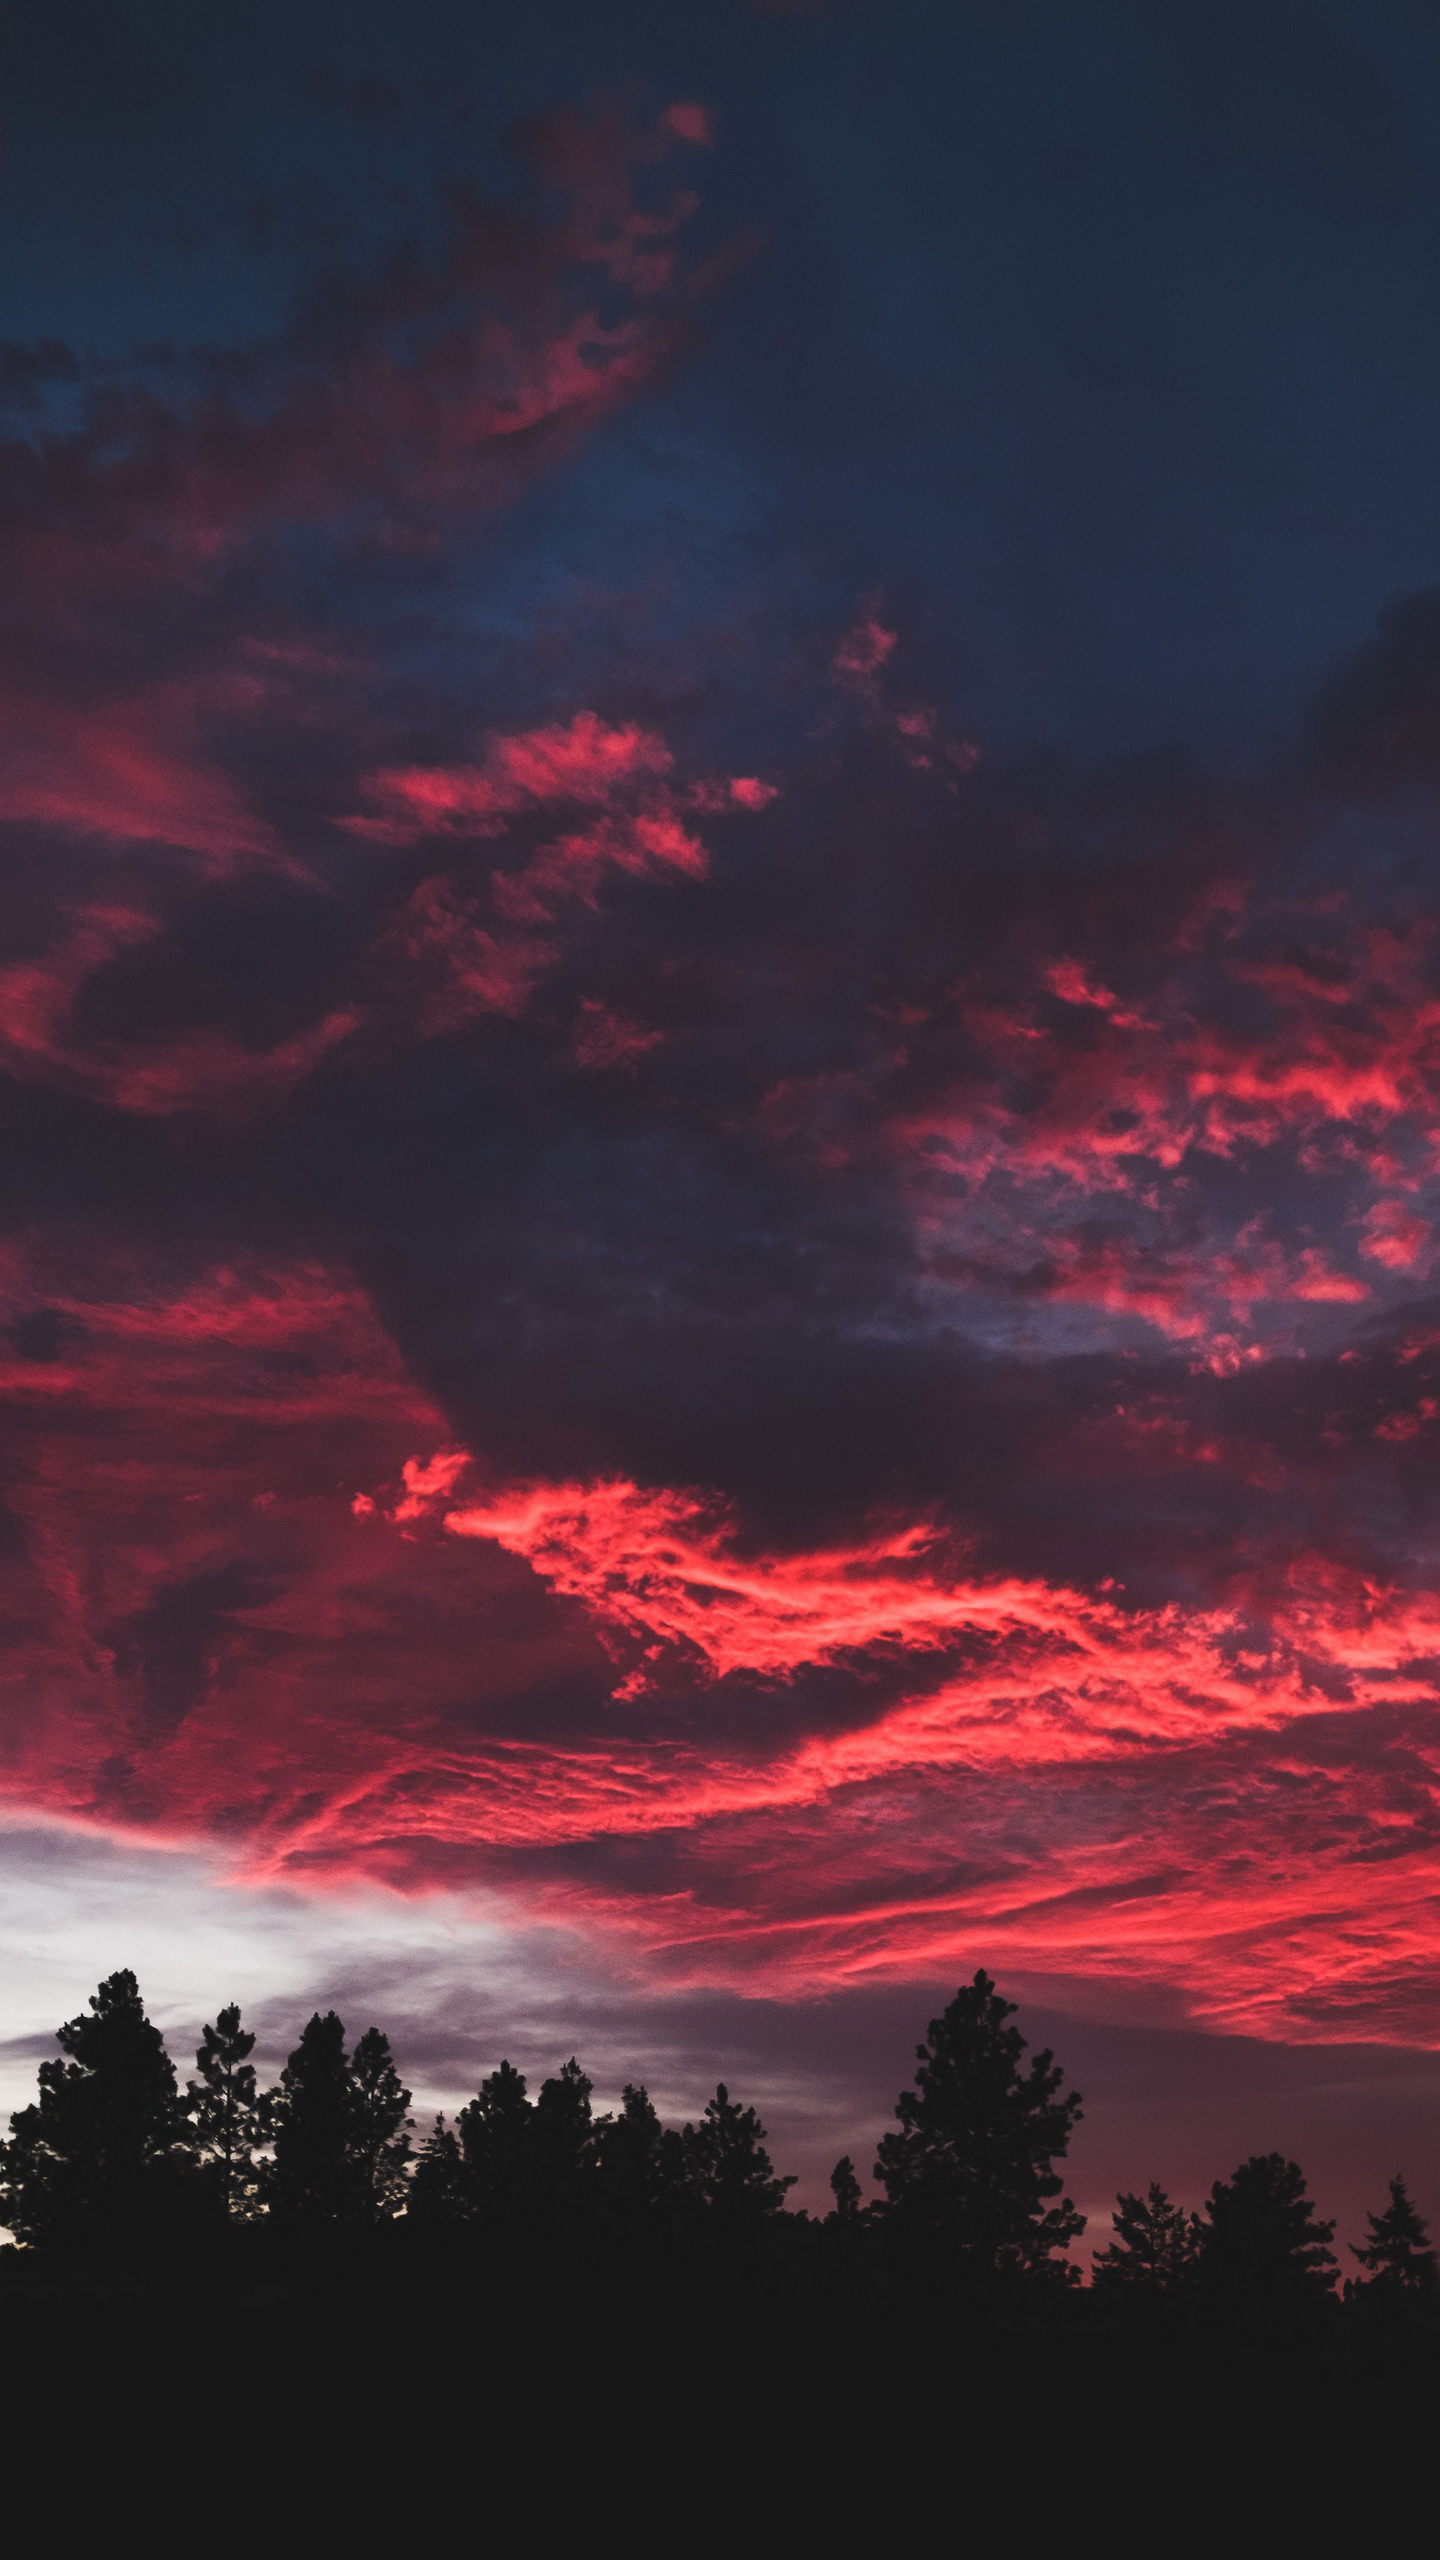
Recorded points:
(1397, 2252)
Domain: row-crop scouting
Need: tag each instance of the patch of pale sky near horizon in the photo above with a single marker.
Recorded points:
(75, 1906)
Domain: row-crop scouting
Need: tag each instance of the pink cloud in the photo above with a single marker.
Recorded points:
(1076, 1102)
(603, 1039)
(689, 122)
(262, 1597)
(860, 665)
(865, 650)
(413, 399)
(128, 771)
(587, 761)
(1392, 1234)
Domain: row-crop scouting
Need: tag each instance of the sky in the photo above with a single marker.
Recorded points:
(720, 1048)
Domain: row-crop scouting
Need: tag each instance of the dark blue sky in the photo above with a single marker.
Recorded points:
(1102, 341)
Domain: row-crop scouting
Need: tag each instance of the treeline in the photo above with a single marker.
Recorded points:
(114, 2153)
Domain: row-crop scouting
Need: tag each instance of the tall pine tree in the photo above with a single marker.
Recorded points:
(628, 2152)
(317, 2174)
(102, 2152)
(562, 2132)
(497, 2139)
(1261, 2240)
(228, 2117)
(971, 2170)
(382, 2125)
(726, 2168)
(845, 2188)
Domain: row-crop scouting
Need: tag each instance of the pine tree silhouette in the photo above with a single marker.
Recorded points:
(1156, 2245)
(561, 2133)
(726, 2168)
(439, 2189)
(1397, 2255)
(497, 2141)
(318, 2172)
(102, 2150)
(970, 2170)
(629, 2157)
(229, 2119)
(382, 2125)
(845, 2188)
(1261, 2238)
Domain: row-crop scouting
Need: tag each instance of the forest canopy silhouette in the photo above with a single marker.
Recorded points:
(114, 2159)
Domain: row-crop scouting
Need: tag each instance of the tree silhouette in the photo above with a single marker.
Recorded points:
(1397, 2254)
(970, 2169)
(972, 2174)
(318, 2172)
(629, 2158)
(496, 2141)
(1156, 2245)
(845, 2188)
(439, 2190)
(102, 2149)
(1261, 2237)
(229, 2119)
(726, 2168)
(382, 2125)
(561, 2131)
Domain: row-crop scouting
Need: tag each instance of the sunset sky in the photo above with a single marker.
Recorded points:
(720, 1047)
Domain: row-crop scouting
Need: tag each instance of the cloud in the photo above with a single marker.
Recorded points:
(1093, 1147)
(687, 1306)
(185, 703)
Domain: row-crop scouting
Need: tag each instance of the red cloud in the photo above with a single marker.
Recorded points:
(467, 942)
(602, 1039)
(1392, 1234)
(128, 771)
(479, 942)
(218, 1630)
(1073, 1154)
(420, 383)
(689, 122)
(585, 761)
(255, 1591)
(151, 538)
(860, 664)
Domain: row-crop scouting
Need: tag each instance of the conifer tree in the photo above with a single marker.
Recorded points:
(1397, 2254)
(627, 2151)
(845, 2188)
(229, 2119)
(971, 2168)
(340, 2129)
(727, 2169)
(439, 2190)
(1156, 2245)
(1261, 2238)
(497, 2140)
(382, 2125)
(561, 2133)
(318, 2171)
(102, 2149)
